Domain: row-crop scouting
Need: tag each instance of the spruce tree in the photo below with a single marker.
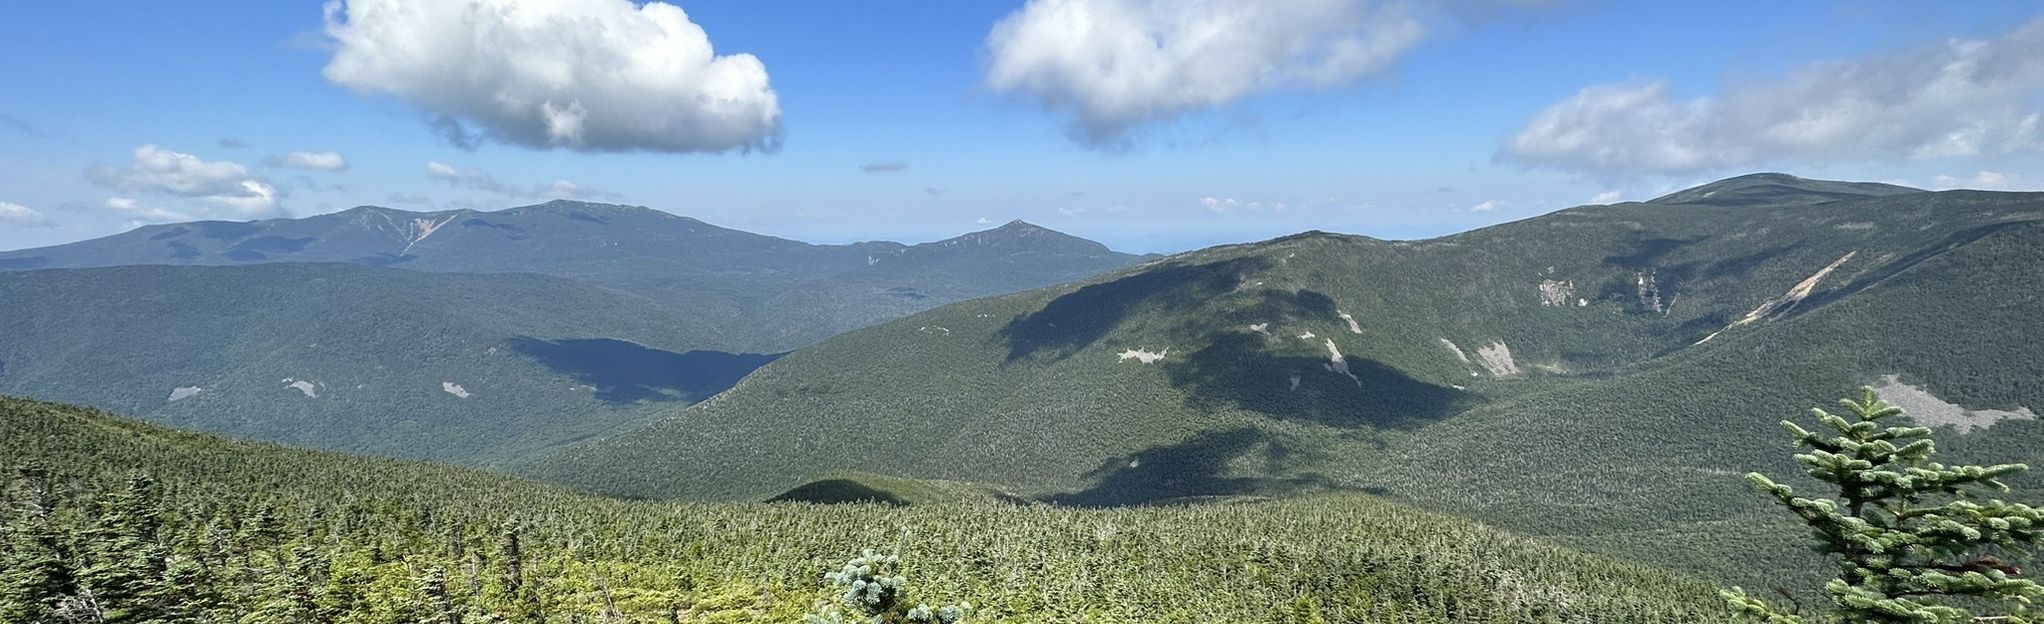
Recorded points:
(34, 576)
(1916, 540)
(125, 562)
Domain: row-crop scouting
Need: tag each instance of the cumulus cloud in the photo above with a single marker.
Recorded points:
(1606, 197)
(22, 216)
(1983, 181)
(479, 180)
(884, 167)
(1492, 205)
(1958, 97)
(584, 75)
(1114, 64)
(316, 161)
(226, 189)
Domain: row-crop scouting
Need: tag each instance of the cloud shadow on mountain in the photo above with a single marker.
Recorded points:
(626, 372)
(1079, 318)
(1239, 371)
(1189, 471)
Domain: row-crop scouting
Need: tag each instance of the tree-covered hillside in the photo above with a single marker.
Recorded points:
(746, 292)
(236, 531)
(1600, 374)
(469, 368)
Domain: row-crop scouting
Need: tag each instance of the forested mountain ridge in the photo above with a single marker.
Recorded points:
(105, 514)
(462, 336)
(751, 292)
(469, 368)
(1483, 372)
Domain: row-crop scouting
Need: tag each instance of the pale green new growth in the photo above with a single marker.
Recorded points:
(873, 589)
(1914, 542)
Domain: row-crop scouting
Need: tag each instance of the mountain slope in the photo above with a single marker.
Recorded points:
(1779, 190)
(459, 367)
(752, 292)
(275, 528)
(1482, 372)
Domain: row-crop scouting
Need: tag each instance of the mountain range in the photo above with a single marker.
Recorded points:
(1600, 375)
(748, 292)
(462, 336)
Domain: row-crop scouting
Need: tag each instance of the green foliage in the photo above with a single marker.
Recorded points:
(1595, 442)
(374, 346)
(1914, 542)
(872, 588)
(281, 535)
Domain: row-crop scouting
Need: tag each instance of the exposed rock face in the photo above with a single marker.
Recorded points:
(1927, 409)
(1146, 357)
(1556, 294)
(1788, 300)
(1452, 348)
(1339, 364)
(1650, 293)
(1497, 358)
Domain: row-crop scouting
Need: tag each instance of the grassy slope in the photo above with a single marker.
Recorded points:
(376, 343)
(1593, 440)
(377, 523)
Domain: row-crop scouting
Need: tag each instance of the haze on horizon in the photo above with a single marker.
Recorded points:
(1160, 126)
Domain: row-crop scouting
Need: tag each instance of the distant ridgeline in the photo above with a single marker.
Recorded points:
(464, 336)
(115, 520)
(1600, 375)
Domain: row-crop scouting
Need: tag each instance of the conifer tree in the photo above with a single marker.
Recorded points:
(1915, 540)
(874, 590)
(33, 574)
(125, 562)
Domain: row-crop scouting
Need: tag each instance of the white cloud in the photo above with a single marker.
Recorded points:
(1606, 197)
(1983, 181)
(1222, 204)
(316, 161)
(1490, 206)
(1071, 212)
(479, 180)
(1956, 98)
(984, 221)
(584, 75)
(226, 189)
(1114, 64)
(139, 213)
(22, 216)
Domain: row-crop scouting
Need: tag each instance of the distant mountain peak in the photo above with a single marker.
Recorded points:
(1769, 189)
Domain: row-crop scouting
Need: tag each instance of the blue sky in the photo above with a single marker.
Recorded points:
(910, 121)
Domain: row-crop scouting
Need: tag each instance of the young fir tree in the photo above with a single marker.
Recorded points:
(1915, 541)
(874, 591)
